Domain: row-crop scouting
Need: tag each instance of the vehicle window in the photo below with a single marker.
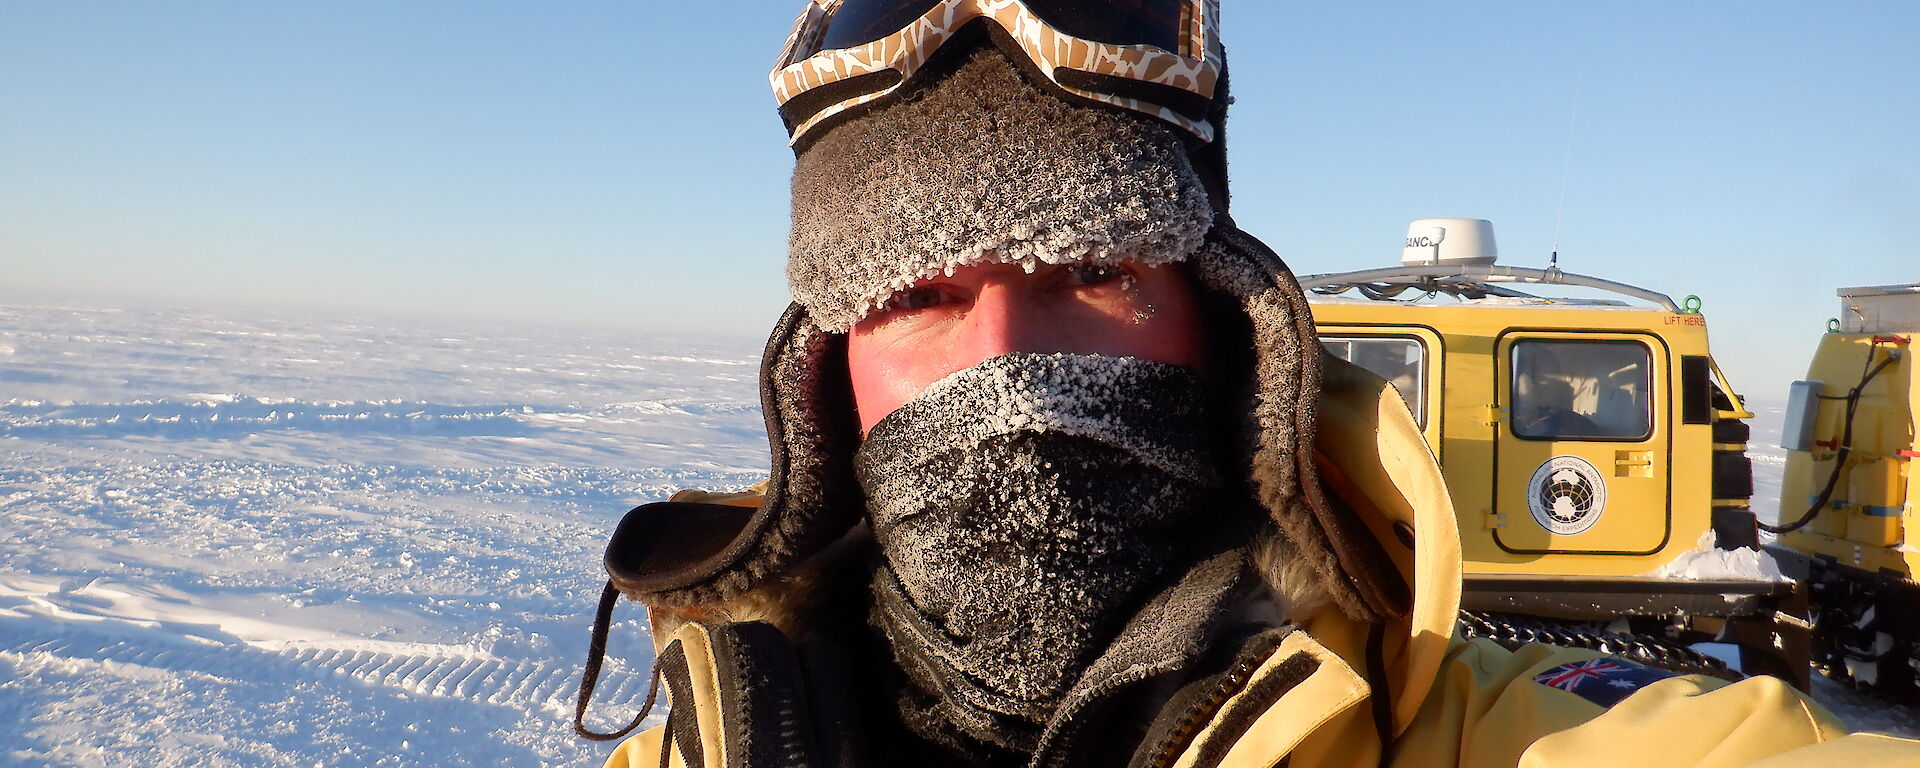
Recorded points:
(1399, 360)
(1582, 390)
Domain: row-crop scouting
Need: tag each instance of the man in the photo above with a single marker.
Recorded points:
(1057, 475)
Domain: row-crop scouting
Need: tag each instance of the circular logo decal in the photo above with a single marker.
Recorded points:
(1566, 495)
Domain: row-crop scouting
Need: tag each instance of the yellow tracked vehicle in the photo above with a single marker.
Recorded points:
(1847, 496)
(1595, 452)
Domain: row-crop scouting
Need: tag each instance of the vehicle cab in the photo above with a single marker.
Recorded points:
(1581, 438)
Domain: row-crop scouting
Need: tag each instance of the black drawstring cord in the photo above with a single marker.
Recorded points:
(597, 652)
(666, 739)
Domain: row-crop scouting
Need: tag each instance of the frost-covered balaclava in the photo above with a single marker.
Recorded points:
(1020, 507)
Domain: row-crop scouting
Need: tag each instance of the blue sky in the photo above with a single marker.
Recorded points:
(621, 164)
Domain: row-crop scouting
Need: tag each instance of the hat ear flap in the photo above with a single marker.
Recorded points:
(812, 499)
(1276, 442)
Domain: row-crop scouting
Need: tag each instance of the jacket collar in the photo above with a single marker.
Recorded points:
(1373, 457)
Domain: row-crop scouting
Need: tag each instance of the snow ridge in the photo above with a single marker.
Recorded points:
(238, 415)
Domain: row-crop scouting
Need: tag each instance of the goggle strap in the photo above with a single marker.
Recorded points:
(944, 59)
(1188, 103)
(799, 108)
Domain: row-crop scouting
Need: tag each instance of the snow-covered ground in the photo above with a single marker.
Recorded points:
(244, 540)
(240, 540)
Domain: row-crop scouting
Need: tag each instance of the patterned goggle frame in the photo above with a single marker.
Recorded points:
(828, 81)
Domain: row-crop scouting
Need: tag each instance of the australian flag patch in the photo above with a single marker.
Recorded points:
(1603, 681)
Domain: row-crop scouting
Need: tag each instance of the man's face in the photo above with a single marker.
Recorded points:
(946, 324)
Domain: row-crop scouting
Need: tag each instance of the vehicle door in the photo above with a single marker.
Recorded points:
(1581, 461)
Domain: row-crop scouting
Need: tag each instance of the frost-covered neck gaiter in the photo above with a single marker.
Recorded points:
(1021, 507)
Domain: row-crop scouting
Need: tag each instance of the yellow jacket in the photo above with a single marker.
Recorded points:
(1447, 702)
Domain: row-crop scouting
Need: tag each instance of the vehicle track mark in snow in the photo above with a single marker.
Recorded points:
(453, 673)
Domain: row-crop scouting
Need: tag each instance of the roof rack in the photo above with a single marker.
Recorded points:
(1464, 281)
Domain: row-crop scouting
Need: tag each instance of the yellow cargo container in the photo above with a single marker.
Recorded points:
(1847, 499)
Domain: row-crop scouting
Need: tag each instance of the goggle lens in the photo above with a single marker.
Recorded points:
(858, 22)
(1160, 23)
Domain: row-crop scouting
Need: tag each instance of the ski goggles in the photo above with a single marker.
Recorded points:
(1158, 57)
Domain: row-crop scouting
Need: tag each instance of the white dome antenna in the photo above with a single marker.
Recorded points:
(1449, 241)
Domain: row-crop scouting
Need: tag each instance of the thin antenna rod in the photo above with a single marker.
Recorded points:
(1566, 171)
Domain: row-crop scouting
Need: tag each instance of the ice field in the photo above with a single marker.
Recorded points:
(244, 539)
(237, 540)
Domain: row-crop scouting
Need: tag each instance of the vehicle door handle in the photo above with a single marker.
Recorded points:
(1633, 463)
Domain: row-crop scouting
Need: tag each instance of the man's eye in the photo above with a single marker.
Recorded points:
(1092, 274)
(914, 299)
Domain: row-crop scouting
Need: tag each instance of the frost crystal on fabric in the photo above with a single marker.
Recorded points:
(1021, 508)
(980, 168)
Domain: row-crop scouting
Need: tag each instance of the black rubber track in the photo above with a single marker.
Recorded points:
(1732, 475)
(1731, 431)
